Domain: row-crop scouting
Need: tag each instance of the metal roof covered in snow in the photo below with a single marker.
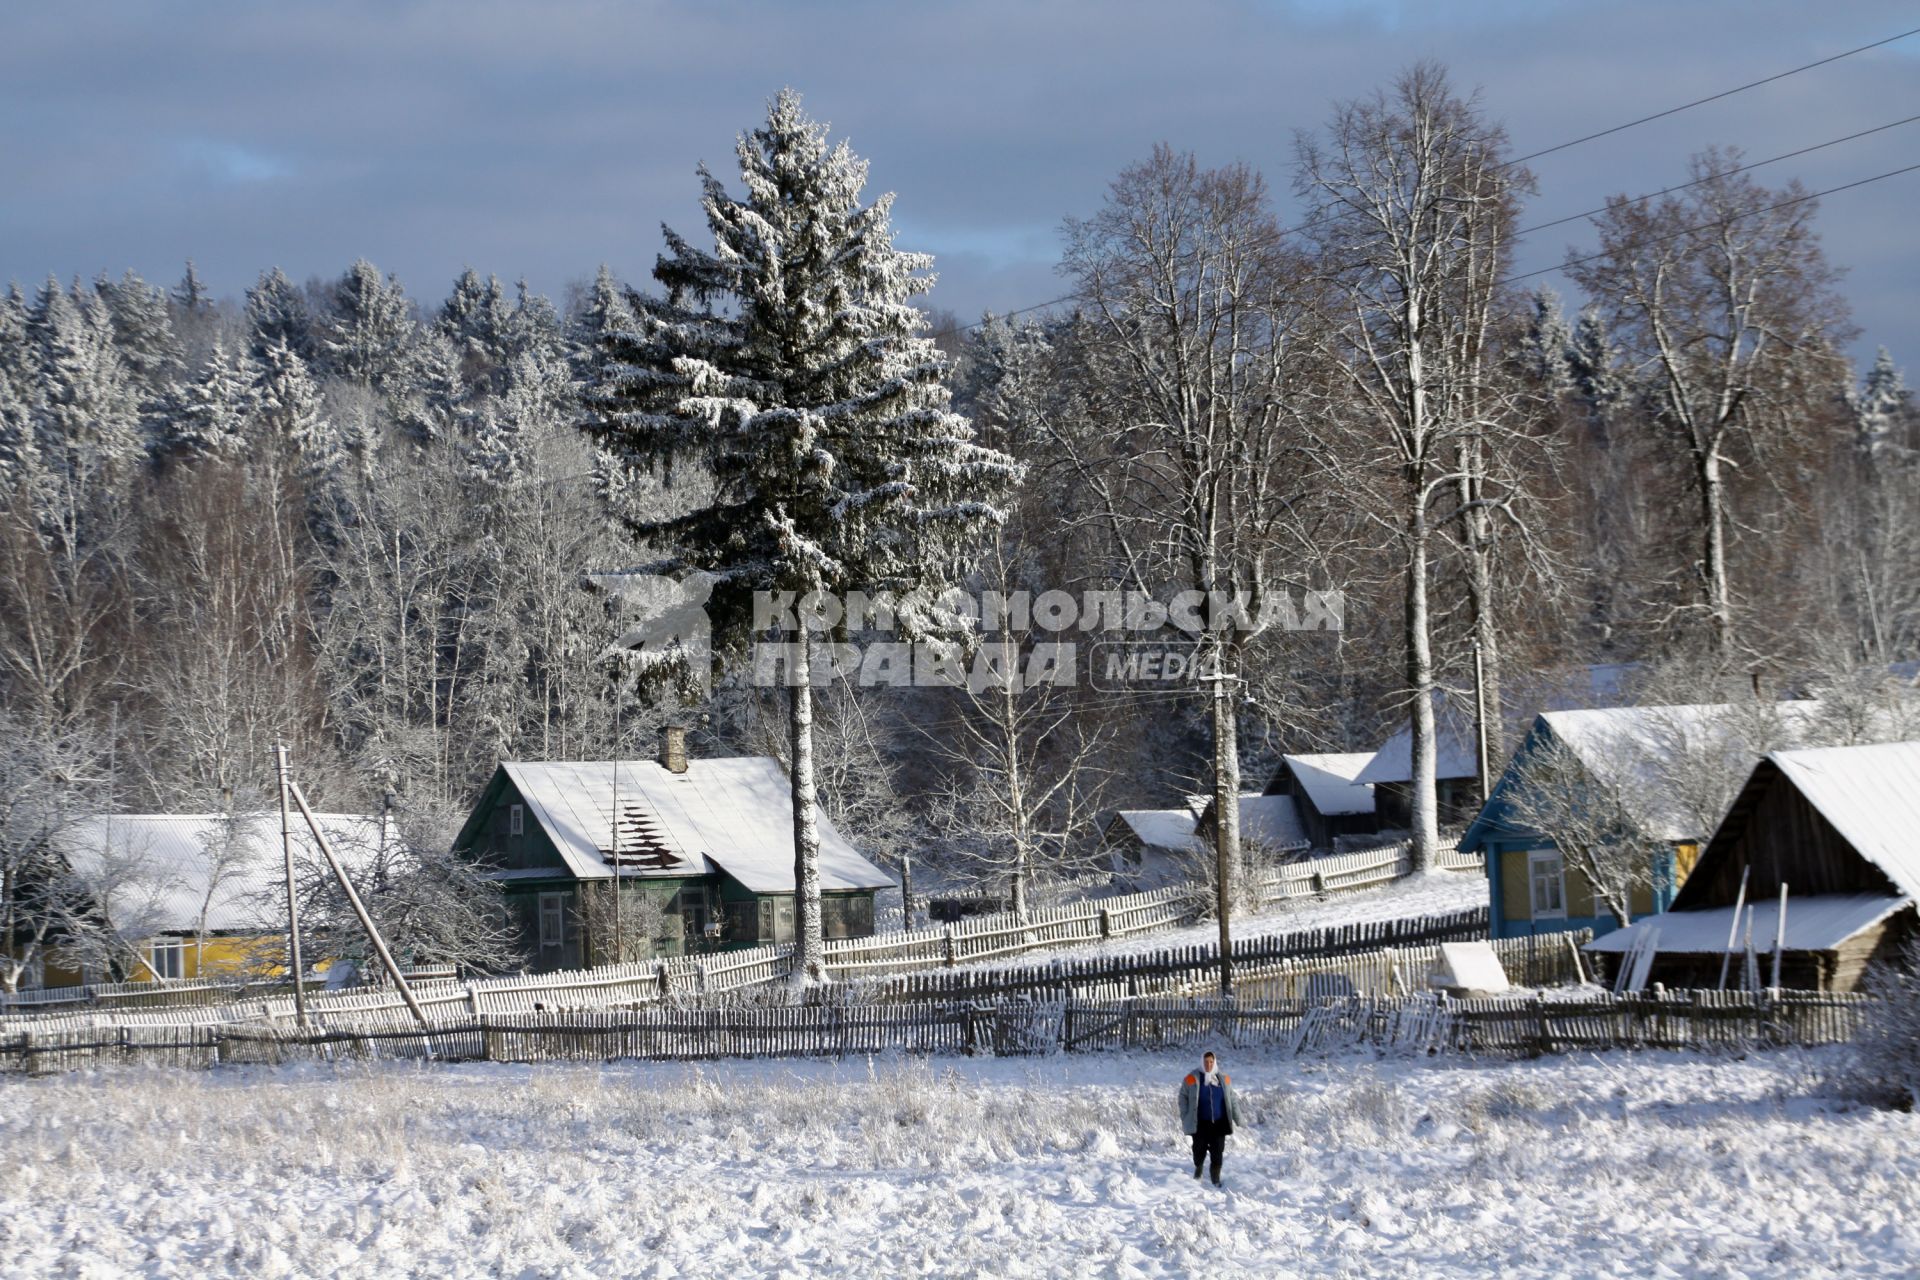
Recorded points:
(733, 815)
(1633, 748)
(154, 872)
(1871, 795)
(1458, 757)
(1272, 821)
(1168, 829)
(1329, 781)
(1813, 924)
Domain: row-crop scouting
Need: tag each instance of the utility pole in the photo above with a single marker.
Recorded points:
(293, 895)
(359, 908)
(1224, 772)
(1480, 718)
(613, 845)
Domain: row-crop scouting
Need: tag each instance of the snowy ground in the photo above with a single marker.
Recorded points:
(1629, 1165)
(1442, 893)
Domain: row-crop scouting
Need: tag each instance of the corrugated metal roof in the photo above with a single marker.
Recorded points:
(731, 814)
(1871, 795)
(1329, 781)
(158, 869)
(1813, 924)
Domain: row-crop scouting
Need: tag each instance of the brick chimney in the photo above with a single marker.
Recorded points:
(673, 748)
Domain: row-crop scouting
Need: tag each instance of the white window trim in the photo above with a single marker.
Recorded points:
(553, 906)
(178, 948)
(517, 820)
(1534, 858)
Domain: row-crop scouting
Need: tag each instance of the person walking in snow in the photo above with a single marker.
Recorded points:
(1208, 1113)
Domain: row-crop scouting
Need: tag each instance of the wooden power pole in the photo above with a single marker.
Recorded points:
(293, 892)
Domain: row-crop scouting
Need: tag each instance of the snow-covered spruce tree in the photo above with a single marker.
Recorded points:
(143, 331)
(1881, 407)
(18, 453)
(288, 407)
(788, 365)
(371, 335)
(477, 319)
(210, 416)
(277, 311)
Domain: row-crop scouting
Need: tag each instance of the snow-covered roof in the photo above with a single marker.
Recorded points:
(1459, 755)
(1329, 782)
(157, 870)
(733, 815)
(1632, 748)
(1272, 821)
(1813, 924)
(1168, 829)
(1871, 795)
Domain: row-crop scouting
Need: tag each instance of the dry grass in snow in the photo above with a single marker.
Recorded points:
(1631, 1165)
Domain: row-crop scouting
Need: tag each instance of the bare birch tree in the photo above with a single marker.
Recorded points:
(1411, 205)
(1725, 306)
(1190, 312)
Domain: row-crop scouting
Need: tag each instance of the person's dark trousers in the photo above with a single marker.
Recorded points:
(1209, 1143)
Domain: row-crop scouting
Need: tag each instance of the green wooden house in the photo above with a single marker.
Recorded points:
(707, 842)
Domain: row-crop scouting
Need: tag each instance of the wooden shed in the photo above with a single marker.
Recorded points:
(1328, 799)
(1840, 828)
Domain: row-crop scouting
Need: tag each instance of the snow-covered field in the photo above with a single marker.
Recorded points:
(1628, 1165)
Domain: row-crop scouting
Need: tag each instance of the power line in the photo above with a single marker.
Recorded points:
(1721, 173)
(955, 330)
(1714, 97)
(1722, 222)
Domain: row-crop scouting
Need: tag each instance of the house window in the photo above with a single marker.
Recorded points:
(517, 820)
(553, 920)
(691, 903)
(743, 921)
(169, 957)
(1548, 875)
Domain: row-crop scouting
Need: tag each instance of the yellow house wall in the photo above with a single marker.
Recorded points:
(223, 956)
(1516, 886)
(1516, 889)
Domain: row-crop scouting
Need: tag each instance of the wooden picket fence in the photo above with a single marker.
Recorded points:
(1535, 960)
(1170, 969)
(922, 952)
(731, 978)
(1424, 1023)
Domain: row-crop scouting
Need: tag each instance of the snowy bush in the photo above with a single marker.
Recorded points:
(1883, 1065)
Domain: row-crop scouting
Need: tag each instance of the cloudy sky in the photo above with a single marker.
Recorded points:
(539, 140)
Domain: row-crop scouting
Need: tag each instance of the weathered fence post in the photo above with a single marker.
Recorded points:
(1106, 923)
(952, 950)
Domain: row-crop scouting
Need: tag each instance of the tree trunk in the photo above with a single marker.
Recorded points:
(1016, 786)
(1423, 792)
(1226, 811)
(809, 961)
(1713, 565)
(1477, 538)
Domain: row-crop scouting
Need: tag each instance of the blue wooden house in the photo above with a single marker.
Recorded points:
(1530, 886)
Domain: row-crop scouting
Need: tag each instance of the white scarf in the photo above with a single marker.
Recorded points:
(1210, 1077)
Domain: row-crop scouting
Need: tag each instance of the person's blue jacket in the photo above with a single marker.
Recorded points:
(1199, 1100)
